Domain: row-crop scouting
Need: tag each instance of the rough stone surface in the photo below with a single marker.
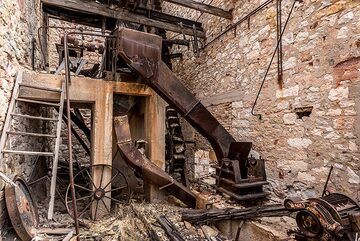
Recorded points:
(321, 60)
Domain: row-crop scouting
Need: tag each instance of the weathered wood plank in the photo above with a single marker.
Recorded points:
(102, 10)
(203, 8)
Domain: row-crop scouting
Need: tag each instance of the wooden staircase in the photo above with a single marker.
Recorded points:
(8, 132)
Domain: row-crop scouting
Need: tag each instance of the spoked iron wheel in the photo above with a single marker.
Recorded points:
(94, 196)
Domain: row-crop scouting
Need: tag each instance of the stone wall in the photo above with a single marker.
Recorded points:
(310, 121)
(19, 21)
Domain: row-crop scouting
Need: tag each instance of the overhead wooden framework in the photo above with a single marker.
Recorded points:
(203, 8)
(91, 13)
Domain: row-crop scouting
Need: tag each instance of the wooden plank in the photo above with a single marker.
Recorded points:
(30, 153)
(11, 107)
(203, 8)
(37, 102)
(21, 133)
(56, 153)
(35, 117)
(102, 10)
(41, 88)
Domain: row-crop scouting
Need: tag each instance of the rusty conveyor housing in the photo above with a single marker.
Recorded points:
(237, 175)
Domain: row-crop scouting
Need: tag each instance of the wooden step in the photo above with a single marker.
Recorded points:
(30, 153)
(38, 102)
(35, 117)
(41, 88)
(243, 197)
(20, 133)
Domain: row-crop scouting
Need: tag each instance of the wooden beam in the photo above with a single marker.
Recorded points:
(203, 8)
(102, 10)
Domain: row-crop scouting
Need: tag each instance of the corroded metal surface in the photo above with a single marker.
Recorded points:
(148, 169)
(21, 209)
(142, 52)
(331, 217)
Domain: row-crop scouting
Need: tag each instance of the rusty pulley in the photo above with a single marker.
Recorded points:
(21, 209)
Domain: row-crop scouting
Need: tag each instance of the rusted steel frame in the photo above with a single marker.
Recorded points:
(135, 159)
(203, 8)
(82, 126)
(143, 53)
(77, 136)
(170, 229)
(53, 27)
(203, 216)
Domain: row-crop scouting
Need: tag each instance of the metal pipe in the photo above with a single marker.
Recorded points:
(327, 181)
(71, 171)
(67, 83)
(271, 61)
(55, 27)
(280, 51)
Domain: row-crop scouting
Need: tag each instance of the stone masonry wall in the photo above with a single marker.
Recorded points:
(321, 61)
(19, 21)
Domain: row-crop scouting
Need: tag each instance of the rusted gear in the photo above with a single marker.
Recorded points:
(21, 209)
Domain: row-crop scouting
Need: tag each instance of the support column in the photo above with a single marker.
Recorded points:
(102, 142)
(155, 126)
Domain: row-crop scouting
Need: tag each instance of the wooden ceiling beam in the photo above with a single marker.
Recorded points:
(203, 8)
(102, 10)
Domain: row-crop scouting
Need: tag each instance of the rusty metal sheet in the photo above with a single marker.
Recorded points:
(21, 209)
(148, 169)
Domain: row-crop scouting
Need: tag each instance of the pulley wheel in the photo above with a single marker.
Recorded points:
(21, 209)
(309, 224)
(93, 197)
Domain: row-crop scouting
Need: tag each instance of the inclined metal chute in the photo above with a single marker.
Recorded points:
(137, 160)
(238, 175)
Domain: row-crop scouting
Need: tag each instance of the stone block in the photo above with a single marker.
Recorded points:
(299, 142)
(289, 119)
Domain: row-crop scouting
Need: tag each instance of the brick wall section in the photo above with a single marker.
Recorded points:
(321, 70)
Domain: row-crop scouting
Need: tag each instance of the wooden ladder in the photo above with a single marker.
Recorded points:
(11, 113)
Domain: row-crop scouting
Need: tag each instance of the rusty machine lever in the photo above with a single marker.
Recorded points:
(238, 176)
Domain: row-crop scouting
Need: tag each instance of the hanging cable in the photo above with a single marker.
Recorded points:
(271, 61)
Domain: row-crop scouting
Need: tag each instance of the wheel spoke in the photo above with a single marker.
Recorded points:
(96, 208)
(112, 179)
(82, 198)
(113, 199)
(102, 175)
(81, 187)
(115, 189)
(91, 180)
(84, 210)
(107, 209)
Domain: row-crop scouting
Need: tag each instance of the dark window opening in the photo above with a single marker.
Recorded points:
(303, 111)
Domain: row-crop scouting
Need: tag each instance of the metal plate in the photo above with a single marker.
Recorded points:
(21, 209)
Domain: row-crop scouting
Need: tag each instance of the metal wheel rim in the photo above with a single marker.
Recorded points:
(87, 171)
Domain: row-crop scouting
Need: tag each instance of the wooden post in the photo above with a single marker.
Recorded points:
(44, 41)
(101, 141)
(155, 126)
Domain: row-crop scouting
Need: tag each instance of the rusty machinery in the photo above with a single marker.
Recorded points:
(334, 217)
(139, 53)
(21, 209)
